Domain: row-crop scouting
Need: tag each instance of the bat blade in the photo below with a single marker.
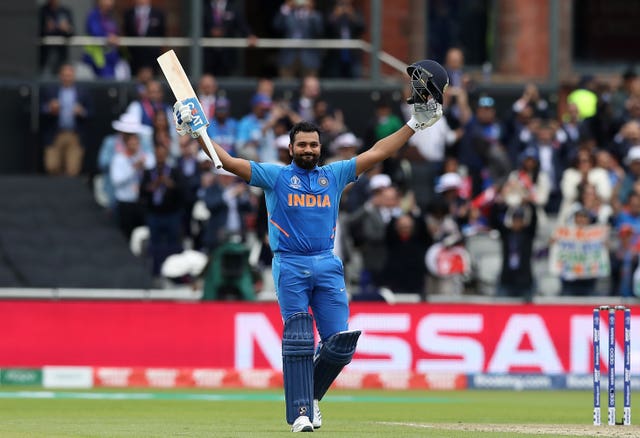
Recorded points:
(176, 77)
(183, 92)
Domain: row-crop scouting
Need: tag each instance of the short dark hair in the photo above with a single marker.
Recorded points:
(303, 126)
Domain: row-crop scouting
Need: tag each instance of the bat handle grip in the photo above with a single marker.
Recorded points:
(208, 146)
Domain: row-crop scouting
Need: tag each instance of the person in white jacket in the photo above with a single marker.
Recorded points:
(584, 169)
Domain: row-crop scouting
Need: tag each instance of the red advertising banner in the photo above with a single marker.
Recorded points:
(418, 338)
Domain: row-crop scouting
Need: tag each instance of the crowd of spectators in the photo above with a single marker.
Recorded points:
(540, 178)
(299, 19)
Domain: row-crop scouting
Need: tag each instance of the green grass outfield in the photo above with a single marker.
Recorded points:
(34, 412)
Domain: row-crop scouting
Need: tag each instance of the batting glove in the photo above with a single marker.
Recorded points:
(182, 117)
(424, 115)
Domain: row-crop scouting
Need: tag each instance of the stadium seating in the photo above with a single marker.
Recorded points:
(54, 235)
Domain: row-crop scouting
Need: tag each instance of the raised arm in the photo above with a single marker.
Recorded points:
(237, 166)
(422, 117)
(429, 81)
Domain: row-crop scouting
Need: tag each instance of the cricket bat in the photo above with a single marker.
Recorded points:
(183, 92)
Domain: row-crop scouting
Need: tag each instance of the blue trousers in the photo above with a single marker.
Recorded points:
(316, 281)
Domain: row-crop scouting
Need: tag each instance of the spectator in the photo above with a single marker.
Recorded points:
(310, 91)
(627, 137)
(602, 126)
(282, 144)
(164, 133)
(126, 171)
(552, 157)
(54, 20)
(345, 23)
(445, 233)
(517, 227)
(65, 109)
(624, 262)
(255, 139)
(454, 64)
(605, 160)
(533, 185)
(125, 126)
(519, 130)
(367, 226)
(228, 200)
(224, 128)
(266, 87)
(531, 97)
(223, 19)
(407, 241)
(573, 127)
(456, 104)
(456, 98)
(332, 126)
(583, 170)
(629, 82)
(426, 154)
(480, 149)
(630, 215)
(190, 169)
(207, 89)
(105, 60)
(344, 147)
(141, 81)
(298, 19)
(448, 190)
(632, 161)
(144, 20)
(589, 200)
(151, 102)
(632, 107)
(162, 197)
(385, 121)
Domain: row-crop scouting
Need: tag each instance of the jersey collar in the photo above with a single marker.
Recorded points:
(299, 170)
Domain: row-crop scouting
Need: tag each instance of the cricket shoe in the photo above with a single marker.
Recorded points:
(302, 424)
(317, 415)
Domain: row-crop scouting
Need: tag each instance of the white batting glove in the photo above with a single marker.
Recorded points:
(424, 115)
(182, 117)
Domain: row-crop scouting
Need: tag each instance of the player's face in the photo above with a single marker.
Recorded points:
(306, 149)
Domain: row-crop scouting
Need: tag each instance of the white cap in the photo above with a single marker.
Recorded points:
(345, 140)
(129, 124)
(633, 154)
(379, 181)
(282, 141)
(450, 180)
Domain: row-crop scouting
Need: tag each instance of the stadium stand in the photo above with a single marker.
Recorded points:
(53, 234)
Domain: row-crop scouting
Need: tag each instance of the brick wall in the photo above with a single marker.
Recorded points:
(523, 38)
(396, 29)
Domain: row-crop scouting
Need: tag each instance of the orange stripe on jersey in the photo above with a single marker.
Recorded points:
(279, 227)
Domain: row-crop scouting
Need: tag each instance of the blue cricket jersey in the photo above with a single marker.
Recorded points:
(302, 204)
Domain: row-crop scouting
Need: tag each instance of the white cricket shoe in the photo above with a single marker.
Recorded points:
(302, 424)
(317, 415)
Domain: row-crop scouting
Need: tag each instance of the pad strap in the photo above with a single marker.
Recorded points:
(297, 366)
(334, 354)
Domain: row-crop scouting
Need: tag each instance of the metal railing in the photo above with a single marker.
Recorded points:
(264, 43)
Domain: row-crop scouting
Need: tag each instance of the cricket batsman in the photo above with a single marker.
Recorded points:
(302, 200)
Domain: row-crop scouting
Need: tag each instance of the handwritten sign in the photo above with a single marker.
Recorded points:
(580, 252)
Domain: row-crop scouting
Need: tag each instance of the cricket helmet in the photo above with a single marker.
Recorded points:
(428, 78)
